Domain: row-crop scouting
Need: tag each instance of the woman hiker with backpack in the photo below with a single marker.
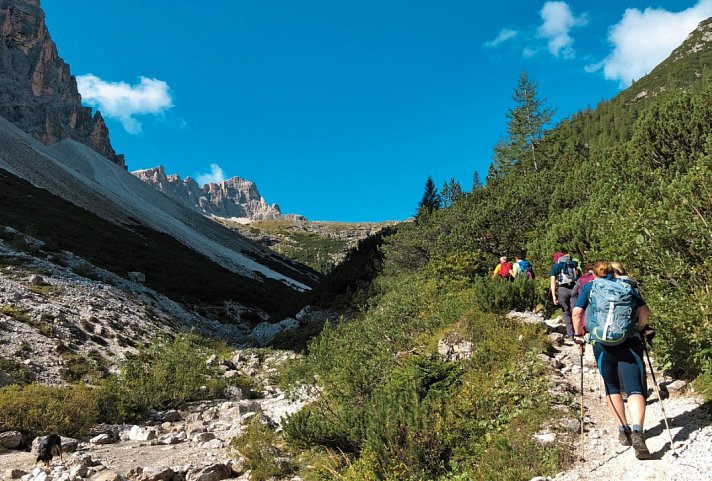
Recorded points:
(616, 315)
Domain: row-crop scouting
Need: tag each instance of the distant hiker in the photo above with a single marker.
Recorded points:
(616, 314)
(522, 267)
(502, 271)
(564, 274)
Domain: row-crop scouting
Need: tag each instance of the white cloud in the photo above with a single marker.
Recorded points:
(529, 52)
(641, 40)
(504, 35)
(215, 175)
(558, 22)
(122, 101)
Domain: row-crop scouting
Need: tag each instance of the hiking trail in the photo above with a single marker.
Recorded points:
(689, 418)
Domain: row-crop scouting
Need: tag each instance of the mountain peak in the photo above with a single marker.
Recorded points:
(37, 91)
(234, 197)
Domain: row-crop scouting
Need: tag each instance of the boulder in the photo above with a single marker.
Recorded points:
(38, 280)
(156, 474)
(82, 460)
(102, 439)
(265, 332)
(172, 416)
(203, 437)
(15, 473)
(5, 379)
(108, 475)
(213, 444)
(676, 385)
(11, 439)
(236, 393)
(211, 472)
(138, 433)
(249, 407)
(544, 438)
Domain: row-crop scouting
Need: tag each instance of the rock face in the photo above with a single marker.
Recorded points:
(37, 91)
(235, 197)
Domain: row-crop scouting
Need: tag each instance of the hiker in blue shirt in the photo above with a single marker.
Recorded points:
(622, 362)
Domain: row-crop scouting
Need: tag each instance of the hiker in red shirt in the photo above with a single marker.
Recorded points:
(502, 270)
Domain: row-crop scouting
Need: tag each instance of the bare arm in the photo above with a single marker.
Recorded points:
(552, 289)
(643, 316)
(576, 315)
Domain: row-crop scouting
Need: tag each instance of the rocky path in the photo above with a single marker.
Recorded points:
(604, 458)
(192, 444)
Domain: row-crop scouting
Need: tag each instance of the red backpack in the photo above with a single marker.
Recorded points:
(504, 269)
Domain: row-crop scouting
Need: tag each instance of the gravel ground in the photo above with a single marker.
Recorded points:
(690, 426)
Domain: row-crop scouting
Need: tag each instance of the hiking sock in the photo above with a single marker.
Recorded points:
(638, 428)
(624, 433)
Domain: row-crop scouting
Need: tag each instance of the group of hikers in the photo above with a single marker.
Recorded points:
(602, 306)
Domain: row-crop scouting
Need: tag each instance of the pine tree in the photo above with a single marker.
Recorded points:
(476, 182)
(451, 192)
(525, 127)
(431, 199)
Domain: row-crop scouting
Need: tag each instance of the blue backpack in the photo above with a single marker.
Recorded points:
(610, 316)
(525, 267)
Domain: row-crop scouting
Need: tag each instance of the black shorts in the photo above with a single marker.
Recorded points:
(622, 363)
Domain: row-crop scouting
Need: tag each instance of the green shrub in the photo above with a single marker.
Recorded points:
(164, 375)
(264, 457)
(19, 373)
(703, 384)
(37, 410)
(18, 313)
(78, 368)
(491, 295)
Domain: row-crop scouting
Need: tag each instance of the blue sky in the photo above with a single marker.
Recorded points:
(340, 110)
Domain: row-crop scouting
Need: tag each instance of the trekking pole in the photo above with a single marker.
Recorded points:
(657, 391)
(582, 435)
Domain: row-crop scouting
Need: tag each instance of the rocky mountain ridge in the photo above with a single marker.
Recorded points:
(38, 93)
(232, 198)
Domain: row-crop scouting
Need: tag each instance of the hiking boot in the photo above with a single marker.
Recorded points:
(638, 441)
(624, 438)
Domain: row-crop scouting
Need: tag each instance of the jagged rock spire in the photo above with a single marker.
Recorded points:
(37, 91)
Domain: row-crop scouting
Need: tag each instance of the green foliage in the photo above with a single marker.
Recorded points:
(397, 409)
(77, 368)
(19, 373)
(260, 446)
(451, 192)
(18, 313)
(37, 410)
(703, 384)
(491, 295)
(162, 376)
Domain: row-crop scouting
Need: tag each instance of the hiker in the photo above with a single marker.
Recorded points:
(616, 316)
(564, 274)
(522, 267)
(502, 270)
